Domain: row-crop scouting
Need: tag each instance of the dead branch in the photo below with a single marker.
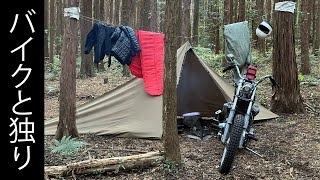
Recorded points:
(110, 164)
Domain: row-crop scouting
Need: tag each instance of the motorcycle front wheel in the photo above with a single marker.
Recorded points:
(232, 144)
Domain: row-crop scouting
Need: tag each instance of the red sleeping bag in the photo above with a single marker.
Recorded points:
(148, 64)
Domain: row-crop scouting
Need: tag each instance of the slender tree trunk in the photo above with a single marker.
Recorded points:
(287, 98)
(211, 25)
(170, 135)
(116, 16)
(111, 11)
(261, 43)
(305, 34)
(96, 9)
(268, 11)
(154, 16)
(46, 30)
(231, 15)
(127, 13)
(186, 22)
(67, 118)
(235, 10)
(59, 30)
(145, 14)
(102, 11)
(217, 27)
(162, 4)
(52, 29)
(86, 69)
(316, 39)
(242, 10)
(195, 27)
(256, 20)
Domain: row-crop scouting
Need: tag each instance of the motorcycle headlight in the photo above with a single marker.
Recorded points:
(246, 89)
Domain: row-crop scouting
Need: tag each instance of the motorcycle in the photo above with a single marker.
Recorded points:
(235, 120)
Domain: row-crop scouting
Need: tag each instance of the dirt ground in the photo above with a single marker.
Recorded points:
(290, 144)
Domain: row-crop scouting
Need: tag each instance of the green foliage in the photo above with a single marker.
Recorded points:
(169, 166)
(300, 77)
(53, 69)
(67, 146)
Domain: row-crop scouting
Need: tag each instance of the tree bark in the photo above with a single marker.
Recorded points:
(235, 10)
(186, 22)
(170, 135)
(116, 17)
(316, 39)
(154, 16)
(52, 32)
(67, 109)
(59, 29)
(268, 11)
(231, 19)
(101, 17)
(110, 164)
(242, 10)
(261, 43)
(195, 27)
(111, 12)
(46, 30)
(305, 34)
(162, 4)
(127, 13)
(86, 69)
(287, 98)
(145, 15)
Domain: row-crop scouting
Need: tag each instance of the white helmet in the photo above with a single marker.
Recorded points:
(263, 30)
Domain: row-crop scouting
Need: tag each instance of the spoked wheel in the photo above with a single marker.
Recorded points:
(232, 144)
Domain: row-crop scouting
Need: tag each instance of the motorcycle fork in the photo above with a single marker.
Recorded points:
(231, 113)
(247, 120)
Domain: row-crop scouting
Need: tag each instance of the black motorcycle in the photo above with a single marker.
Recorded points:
(236, 118)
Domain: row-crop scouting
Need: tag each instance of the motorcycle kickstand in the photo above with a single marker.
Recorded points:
(254, 152)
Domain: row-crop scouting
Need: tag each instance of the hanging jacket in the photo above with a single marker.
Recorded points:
(125, 45)
(96, 38)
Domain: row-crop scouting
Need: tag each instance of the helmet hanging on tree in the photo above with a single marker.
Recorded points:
(264, 29)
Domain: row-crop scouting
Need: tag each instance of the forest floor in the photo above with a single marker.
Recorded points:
(289, 144)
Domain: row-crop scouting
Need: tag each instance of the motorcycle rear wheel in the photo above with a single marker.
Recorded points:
(232, 145)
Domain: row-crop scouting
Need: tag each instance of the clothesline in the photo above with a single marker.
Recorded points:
(90, 19)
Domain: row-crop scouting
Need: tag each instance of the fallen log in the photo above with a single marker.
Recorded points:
(96, 166)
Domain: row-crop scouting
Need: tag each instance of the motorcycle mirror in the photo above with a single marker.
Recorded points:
(273, 81)
(230, 57)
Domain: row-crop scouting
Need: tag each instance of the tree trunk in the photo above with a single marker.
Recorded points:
(46, 30)
(261, 43)
(52, 29)
(287, 98)
(195, 26)
(102, 11)
(116, 15)
(235, 10)
(186, 22)
(268, 11)
(67, 119)
(231, 19)
(86, 69)
(212, 15)
(111, 11)
(170, 134)
(242, 10)
(127, 13)
(162, 4)
(305, 34)
(217, 27)
(316, 39)
(96, 10)
(59, 30)
(154, 16)
(145, 15)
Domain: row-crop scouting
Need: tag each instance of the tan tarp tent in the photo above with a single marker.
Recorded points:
(128, 111)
